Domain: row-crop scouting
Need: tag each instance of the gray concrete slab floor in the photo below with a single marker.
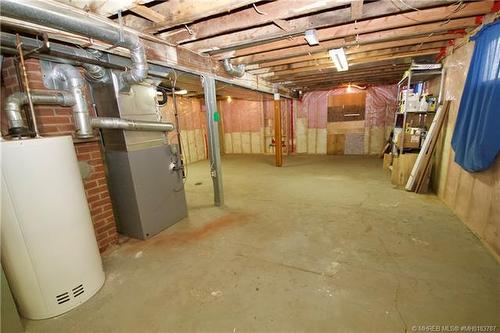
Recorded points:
(324, 244)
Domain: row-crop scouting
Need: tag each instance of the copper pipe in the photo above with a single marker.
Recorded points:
(19, 47)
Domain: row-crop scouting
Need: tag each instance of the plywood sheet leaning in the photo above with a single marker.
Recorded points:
(422, 165)
(401, 168)
(335, 144)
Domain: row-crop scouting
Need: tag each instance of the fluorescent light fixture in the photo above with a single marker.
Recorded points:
(181, 92)
(311, 37)
(339, 59)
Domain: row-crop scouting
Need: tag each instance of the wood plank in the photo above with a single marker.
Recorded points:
(399, 33)
(359, 81)
(335, 144)
(104, 8)
(180, 12)
(313, 69)
(273, 11)
(269, 32)
(358, 48)
(356, 9)
(323, 79)
(322, 61)
(401, 168)
(148, 13)
(361, 27)
(328, 75)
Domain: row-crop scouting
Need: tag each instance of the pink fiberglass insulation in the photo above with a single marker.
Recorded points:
(190, 114)
(314, 106)
(380, 105)
(241, 115)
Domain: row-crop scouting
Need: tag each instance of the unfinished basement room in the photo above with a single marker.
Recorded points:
(241, 166)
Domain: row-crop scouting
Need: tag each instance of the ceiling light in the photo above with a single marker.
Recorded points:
(339, 59)
(311, 37)
(181, 92)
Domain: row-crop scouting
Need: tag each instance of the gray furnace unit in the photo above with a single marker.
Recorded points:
(146, 184)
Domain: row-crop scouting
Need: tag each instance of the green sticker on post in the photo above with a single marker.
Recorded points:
(216, 116)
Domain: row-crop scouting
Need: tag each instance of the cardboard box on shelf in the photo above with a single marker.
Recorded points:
(410, 140)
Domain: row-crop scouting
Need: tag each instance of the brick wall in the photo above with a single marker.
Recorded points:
(54, 121)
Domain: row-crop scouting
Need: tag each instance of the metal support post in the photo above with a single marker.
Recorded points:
(278, 149)
(213, 118)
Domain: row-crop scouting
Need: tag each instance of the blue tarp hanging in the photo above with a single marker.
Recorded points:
(476, 139)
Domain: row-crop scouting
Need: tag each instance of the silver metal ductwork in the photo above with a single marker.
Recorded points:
(131, 125)
(237, 71)
(75, 84)
(14, 102)
(52, 14)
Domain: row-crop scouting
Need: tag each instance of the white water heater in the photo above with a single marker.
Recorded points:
(49, 251)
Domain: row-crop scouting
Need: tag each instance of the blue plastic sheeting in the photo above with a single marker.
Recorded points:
(476, 139)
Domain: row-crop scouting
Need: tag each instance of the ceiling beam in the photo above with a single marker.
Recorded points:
(325, 74)
(412, 31)
(373, 25)
(270, 12)
(312, 69)
(351, 56)
(358, 48)
(270, 32)
(356, 9)
(148, 13)
(180, 12)
(372, 73)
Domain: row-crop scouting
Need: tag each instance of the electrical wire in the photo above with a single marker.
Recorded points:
(258, 11)
(179, 137)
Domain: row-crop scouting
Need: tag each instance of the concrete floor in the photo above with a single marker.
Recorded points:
(324, 244)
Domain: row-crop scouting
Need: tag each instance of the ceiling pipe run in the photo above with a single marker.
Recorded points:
(237, 71)
(51, 14)
(131, 125)
(15, 101)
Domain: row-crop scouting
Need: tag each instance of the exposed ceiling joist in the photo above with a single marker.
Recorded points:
(366, 74)
(411, 31)
(354, 62)
(271, 12)
(356, 9)
(352, 55)
(180, 12)
(148, 13)
(270, 32)
(373, 25)
(358, 48)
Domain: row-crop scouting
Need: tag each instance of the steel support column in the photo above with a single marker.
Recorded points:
(213, 118)
(278, 149)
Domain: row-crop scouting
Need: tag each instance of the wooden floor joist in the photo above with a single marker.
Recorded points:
(259, 35)
(416, 18)
(268, 37)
